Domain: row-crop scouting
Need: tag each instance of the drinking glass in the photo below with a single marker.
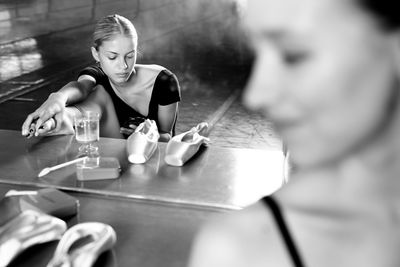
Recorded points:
(87, 131)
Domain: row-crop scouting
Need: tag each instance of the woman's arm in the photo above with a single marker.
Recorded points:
(166, 119)
(168, 95)
(77, 91)
(53, 107)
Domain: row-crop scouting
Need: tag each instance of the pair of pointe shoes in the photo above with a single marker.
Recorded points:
(32, 227)
(143, 142)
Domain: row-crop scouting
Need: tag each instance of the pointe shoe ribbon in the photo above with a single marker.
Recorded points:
(25, 230)
(82, 244)
(184, 146)
(143, 142)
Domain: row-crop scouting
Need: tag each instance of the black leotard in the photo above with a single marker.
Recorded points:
(163, 83)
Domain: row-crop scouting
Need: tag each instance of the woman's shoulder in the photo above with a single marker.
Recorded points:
(93, 70)
(251, 220)
(154, 68)
(241, 235)
(93, 67)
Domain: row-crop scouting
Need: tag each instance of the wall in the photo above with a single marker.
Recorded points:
(21, 19)
(42, 39)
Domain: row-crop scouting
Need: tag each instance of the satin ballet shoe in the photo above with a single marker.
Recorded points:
(25, 230)
(143, 142)
(82, 244)
(50, 201)
(184, 146)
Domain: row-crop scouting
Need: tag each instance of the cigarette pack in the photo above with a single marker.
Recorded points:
(98, 169)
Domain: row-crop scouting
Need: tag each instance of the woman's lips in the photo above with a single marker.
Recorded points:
(123, 75)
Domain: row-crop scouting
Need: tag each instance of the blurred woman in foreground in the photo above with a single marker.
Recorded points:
(327, 73)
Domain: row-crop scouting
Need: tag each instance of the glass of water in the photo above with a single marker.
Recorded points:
(87, 131)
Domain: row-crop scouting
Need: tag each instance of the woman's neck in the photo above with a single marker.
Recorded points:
(375, 166)
(381, 152)
(371, 172)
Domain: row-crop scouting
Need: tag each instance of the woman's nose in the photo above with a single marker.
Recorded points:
(123, 64)
(264, 88)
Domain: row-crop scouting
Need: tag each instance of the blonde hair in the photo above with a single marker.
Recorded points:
(111, 25)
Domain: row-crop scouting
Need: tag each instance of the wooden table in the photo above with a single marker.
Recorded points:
(216, 177)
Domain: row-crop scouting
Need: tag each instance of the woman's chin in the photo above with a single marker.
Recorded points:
(119, 80)
(310, 156)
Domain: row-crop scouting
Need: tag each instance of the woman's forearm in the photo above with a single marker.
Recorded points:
(73, 92)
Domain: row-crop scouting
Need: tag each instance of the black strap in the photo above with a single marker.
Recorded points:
(284, 231)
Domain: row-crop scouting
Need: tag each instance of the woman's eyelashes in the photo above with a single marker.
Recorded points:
(129, 56)
(111, 56)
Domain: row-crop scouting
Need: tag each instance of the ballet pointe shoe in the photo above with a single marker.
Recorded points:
(74, 251)
(184, 146)
(29, 228)
(143, 142)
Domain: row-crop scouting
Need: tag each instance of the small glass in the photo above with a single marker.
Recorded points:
(87, 131)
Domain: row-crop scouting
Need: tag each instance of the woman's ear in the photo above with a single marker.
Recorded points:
(95, 54)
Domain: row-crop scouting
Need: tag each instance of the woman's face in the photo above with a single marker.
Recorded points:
(324, 74)
(117, 58)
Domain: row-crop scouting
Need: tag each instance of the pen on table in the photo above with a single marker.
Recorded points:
(59, 166)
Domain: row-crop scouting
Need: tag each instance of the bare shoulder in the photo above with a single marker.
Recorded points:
(248, 237)
(152, 68)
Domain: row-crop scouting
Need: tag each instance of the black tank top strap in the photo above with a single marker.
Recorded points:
(279, 219)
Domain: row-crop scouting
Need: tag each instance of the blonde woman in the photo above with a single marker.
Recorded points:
(122, 91)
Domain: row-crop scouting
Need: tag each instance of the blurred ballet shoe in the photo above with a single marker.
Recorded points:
(25, 230)
(82, 244)
(184, 146)
(143, 142)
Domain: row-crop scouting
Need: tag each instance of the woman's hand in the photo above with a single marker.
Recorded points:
(130, 125)
(65, 125)
(127, 131)
(52, 108)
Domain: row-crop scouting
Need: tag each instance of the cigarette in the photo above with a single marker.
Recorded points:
(32, 130)
(32, 127)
